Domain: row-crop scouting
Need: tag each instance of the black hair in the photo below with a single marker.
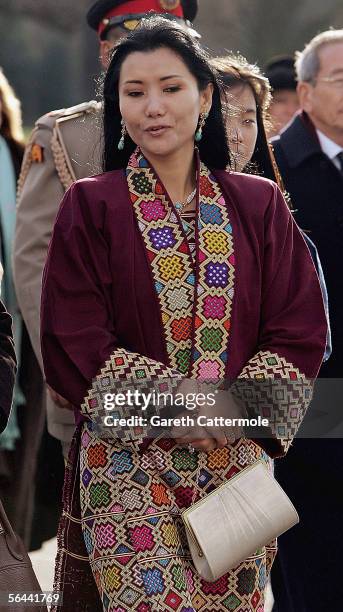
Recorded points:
(235, 70)
(280, 72)
(155, 33)
(262, 158)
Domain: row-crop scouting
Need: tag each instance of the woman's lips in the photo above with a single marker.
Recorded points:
(157, 130)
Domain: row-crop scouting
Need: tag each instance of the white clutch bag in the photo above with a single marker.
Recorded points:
(240, 516)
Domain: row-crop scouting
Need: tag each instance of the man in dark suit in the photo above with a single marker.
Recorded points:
(309, 153)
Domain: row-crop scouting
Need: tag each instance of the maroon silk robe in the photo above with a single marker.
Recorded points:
(98, 292)
(100, 300)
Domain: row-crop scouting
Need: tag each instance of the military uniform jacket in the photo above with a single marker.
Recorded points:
(63, 147)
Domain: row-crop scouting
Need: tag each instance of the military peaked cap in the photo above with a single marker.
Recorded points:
(103, 13)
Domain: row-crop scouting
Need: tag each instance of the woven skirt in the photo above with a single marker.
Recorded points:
(131, 503)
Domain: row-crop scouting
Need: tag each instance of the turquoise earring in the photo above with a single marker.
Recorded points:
(202, 121)
(121, 142)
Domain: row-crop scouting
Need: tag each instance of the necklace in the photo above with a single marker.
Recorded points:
(181, 205)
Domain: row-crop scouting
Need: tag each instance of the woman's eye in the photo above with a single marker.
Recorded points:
(249, 121)
(172, 89)
(134, 94)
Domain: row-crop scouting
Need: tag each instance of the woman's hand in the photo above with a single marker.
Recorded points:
(214, 434)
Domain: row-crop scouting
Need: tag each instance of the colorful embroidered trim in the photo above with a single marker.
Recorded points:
(215, 281)
(195, 303)
(125, 371)
(277, 391)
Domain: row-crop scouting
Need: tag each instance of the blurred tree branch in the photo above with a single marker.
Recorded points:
(62, 14)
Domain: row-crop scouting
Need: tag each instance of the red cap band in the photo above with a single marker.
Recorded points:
(138, 7)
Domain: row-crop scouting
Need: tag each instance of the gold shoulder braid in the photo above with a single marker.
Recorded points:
(61, 163)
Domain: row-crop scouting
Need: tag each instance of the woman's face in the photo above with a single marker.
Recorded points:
(241, 125)
(160, 102)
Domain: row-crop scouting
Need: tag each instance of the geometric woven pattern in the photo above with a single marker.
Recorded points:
(173, 269)
(273, 388)
(125, 371)
(270, 365)
(215, 280)
(139, 554)
(169, 257)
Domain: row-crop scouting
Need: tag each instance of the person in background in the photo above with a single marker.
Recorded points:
(248, 99)
(8, 362)
(11, 154)
(246, 102)
(60, 150)
(309, 155)
(280, 72)
(19, 443)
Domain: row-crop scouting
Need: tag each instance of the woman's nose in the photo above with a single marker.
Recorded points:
(235, 135)
(154, 105)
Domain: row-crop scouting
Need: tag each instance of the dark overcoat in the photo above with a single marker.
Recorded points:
(316, 189)
(306, 576)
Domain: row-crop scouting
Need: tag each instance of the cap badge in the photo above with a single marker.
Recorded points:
(169, 5)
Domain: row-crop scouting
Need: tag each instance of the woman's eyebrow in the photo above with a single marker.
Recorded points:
(165, 78)
(172, 76)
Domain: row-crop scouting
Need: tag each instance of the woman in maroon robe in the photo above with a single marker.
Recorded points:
(160, 267)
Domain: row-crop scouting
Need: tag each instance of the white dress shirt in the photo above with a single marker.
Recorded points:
(330, 148)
